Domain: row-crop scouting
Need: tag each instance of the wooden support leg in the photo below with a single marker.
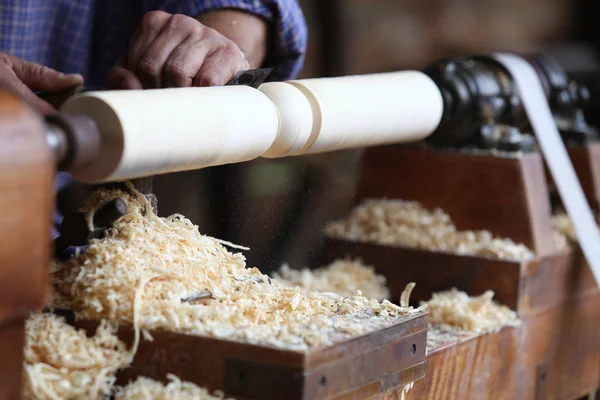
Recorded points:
(26, 173)
(12, 339)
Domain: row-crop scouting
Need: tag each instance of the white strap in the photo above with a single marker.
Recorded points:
(555, 154)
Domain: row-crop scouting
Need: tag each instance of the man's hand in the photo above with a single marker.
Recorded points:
(21, 77)
(176, 51)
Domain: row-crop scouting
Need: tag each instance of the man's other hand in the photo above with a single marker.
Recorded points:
(21, 78)
(176, 51)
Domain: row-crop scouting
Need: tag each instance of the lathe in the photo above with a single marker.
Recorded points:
(452, 137)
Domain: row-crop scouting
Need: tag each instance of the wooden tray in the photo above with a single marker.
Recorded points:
(504, 194)
(526, 287)
(554, 354)
(353, 369)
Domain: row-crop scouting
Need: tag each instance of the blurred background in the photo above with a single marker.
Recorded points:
(279, 208)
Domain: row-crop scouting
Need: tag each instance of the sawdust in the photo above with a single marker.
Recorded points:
(457, 310)
(455, 316)
(63, 363)
(343, 277)
(409, 224)
(405, 295)
(149, 389)
(160, 261)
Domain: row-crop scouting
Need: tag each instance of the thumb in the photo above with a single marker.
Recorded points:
(39, 77)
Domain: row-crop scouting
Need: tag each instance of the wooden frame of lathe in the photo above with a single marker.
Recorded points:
(26, 173)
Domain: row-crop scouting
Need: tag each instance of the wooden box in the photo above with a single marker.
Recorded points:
(353, 369)
(505, 194)
(553, 355)
(526, 286)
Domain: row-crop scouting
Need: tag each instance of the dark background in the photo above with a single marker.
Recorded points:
(279, 208)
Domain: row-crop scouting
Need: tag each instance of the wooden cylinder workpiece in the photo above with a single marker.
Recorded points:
(295, 118)
(369, 110)
(159, 131)
(168, 130)
(328, 114)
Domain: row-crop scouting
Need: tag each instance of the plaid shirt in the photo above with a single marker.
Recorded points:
(88, 36)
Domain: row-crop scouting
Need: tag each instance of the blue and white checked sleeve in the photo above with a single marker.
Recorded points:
(289, 35)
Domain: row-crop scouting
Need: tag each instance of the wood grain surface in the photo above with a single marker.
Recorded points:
(26, 173)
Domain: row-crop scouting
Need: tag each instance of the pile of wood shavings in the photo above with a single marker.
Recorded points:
(409, 224)
(149, 389)
(140, 272)
(343, 277)
(457, 310)
(63, 363)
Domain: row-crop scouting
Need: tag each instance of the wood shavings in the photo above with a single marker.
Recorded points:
(149, 389)
(232, 245)
(405, 295)
(63, 363)
(409, 224)
(245, 306)
(343, 277)
(456, 309)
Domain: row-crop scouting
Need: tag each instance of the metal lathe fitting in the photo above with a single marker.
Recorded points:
(75, 140)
